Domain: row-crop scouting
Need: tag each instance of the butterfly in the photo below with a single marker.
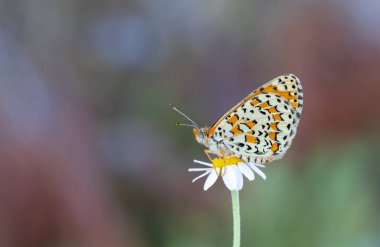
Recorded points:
(260, 128)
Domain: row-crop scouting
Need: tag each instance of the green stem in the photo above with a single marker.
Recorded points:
(236, 217)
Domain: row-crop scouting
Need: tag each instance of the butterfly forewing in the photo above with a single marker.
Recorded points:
(262, 126)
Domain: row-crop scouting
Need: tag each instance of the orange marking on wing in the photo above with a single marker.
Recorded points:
(250, 124)
(272, 109)
(255, 102)
(232, 120)
(264, 105)
(272, 135)
(294, 104)
(274, 147)
(236, 131)
(274, 126)
(284, 94)
(277, 117)
(249, 132)
(250, 139)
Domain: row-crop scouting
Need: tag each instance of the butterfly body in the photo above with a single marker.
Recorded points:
(261, 127)
(214, 146)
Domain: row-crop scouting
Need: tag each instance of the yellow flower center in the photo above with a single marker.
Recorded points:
(226, 161)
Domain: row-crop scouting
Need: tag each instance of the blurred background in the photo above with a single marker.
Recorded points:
(89, 151)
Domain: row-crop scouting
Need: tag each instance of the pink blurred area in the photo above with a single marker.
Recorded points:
(52, 184)
(86, 136)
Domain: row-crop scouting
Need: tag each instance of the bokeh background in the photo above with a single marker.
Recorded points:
(89, 151)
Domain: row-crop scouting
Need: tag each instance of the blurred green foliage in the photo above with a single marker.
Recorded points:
(329, 202)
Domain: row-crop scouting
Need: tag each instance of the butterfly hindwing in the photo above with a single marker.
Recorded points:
(264, 123)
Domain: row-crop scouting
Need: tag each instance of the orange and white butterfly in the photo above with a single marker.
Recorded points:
(258, 129)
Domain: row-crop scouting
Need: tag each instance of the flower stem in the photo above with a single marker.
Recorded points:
(236, 217)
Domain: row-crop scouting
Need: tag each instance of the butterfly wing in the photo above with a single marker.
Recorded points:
(262, 126)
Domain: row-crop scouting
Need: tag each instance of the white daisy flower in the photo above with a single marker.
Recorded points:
(230, 169)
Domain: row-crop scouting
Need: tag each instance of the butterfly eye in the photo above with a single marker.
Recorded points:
(201, 135)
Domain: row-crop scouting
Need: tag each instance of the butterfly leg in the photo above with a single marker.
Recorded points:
(207, 152)
(223, 154)
(224, 159)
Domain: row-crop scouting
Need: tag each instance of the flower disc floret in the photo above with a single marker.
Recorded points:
(231, 169)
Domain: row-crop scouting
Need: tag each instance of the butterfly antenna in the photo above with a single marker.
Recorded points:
(183, 114)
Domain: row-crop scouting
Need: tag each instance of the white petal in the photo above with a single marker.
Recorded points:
(233, 179)
(259, 165)
(199, 169)
(201, 176)
(239, 176)
(229, 179)
(202, 163)
(257, 170)
(211, 179)
(244, 168)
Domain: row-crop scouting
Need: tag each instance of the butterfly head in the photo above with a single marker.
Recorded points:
(201, 135)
